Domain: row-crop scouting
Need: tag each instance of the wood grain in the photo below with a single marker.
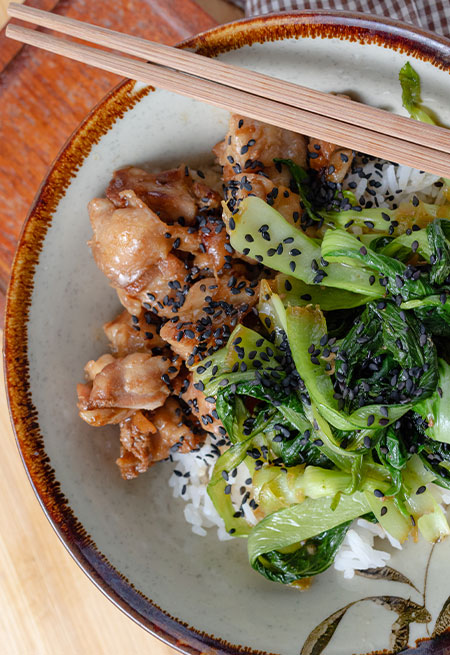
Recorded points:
(43, 98)
(48, 605)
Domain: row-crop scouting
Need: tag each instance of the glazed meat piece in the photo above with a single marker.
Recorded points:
(136, 381)
(216, 250)
(251, 146)
(131, 245)
(96, 366)
(173, 431)
(136, 433)
(149, 437)
(126, 241)
(210, 312)
(173, 194)
(333, 160)
(160, 290)
(202, 408)
(129, 333)
(102, 415)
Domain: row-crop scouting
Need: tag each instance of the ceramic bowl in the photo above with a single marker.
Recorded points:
(195, 593)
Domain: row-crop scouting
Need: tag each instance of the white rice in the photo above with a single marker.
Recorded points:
(392, 184)
(379, 183)
(189, 481)
(358, 550)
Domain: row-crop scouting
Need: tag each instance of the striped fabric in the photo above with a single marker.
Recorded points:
(431, 15)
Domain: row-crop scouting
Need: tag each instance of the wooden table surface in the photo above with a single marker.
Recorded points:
(48, 606)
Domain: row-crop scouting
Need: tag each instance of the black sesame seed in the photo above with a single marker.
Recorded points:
(383, 510)
(378, 493)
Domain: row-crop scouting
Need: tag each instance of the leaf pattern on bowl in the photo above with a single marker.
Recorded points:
(407, 611)
(385, 573)
(443, 620)
(318, 639)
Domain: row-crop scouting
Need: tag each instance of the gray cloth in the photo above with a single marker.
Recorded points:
(433, 15)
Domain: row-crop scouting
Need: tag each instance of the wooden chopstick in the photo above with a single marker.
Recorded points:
(324, 104)
(247, 104)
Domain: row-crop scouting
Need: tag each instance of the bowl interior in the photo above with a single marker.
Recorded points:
(137, 525)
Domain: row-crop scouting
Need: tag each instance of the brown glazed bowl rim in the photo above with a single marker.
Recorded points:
(324, 24)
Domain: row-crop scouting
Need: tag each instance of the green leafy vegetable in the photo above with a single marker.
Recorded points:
(312, 557)
(289, 250)
(410, 83)
(338, 400)
(301, 178)
(300, 522)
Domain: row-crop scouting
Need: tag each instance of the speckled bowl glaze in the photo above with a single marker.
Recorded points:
(196, 593)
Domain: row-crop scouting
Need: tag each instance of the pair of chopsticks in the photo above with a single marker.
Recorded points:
(261, 97)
